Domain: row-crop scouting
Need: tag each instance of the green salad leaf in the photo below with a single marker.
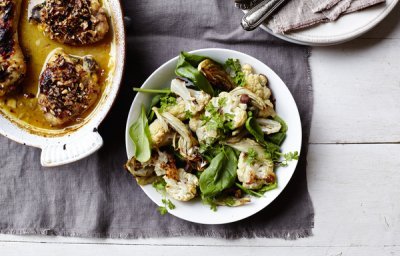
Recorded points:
(187, 68)
(157, 91)
(272, 149)
(220, 174)
(254, 129)
(141, 138)
(279, 137)
(193, 59)
(259, 192)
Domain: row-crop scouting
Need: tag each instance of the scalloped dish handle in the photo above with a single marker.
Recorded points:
(71, 150)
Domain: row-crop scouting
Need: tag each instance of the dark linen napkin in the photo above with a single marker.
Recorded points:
(96, 197)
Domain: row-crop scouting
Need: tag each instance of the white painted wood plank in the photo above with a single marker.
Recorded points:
(28, 249)
(388, 27)
(355, 193)
(357, 92)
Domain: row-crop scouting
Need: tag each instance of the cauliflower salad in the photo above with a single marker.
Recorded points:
(213, 134)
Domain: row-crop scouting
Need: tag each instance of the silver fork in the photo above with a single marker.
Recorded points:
(259, 13)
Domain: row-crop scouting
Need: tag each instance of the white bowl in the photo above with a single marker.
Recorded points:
(73, 144)
(195, 211)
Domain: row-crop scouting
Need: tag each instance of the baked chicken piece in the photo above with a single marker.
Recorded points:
(68, 86)
(72, 22)
(12, 62)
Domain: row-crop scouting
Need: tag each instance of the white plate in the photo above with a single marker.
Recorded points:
(344, 29)
(195, 211)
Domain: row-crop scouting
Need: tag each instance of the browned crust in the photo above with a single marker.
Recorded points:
(73, 22)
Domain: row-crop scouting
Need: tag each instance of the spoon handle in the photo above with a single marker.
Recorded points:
(259, 13)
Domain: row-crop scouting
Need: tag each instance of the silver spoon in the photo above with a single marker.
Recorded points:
(259, 13)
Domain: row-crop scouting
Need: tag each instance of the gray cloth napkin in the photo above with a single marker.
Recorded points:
(298, 14)
(96, 197)
(322, 5)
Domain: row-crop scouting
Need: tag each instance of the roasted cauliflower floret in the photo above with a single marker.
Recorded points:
(189, 102)
(233, 110)
(160, 164)
(205, 134)
(254, 172)
(178, 109)
(224, 112)
(183, 187)
(159, 131)
(257, 83)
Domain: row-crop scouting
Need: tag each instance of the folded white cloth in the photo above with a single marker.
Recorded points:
(298, 14)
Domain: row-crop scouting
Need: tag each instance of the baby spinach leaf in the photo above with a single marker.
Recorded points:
(193, 59)
(140, 136)
(220, 174)
(279, 137)
(254, 129)
(187, 68)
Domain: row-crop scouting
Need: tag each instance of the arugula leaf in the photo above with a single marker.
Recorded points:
(187, 68)
(141, 138)
(220, 174)
(233, 65)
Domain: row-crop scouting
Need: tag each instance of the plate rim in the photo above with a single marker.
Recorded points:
(297, 38)
(294, 164)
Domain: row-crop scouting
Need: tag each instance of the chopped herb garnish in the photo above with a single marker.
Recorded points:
(235, 69)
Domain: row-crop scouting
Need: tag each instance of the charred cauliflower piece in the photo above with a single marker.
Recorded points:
(12, 63)
(254, 169)
(68, 86)
(183, 187)
(222, 112)
(160, 164)
(257, 84)
(73, 22)
(195, 101)
(188, 103)
(159, 131)
(254, 172)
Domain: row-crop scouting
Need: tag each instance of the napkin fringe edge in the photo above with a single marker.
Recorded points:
(284, 234)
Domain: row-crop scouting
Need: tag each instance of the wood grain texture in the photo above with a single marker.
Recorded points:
(356, 92)
(30, 249)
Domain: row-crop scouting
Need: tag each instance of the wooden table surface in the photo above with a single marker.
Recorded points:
(353, 172)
